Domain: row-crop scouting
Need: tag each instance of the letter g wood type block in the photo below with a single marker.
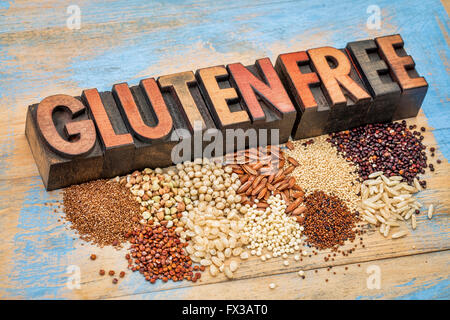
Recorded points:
(63, 141)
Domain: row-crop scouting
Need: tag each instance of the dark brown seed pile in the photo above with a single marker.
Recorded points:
(102, 211)
(328, 222)
(388, 147)
(157, 253)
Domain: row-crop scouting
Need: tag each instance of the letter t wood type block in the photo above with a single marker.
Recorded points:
(374, 72)
(402, 68)
(303, 86)
(349, 101)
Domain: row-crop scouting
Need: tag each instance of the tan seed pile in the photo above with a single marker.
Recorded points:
(102, 211)
(321, 168)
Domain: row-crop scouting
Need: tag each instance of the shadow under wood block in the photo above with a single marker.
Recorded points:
(402, 68)
(182, 94)
(224, 104)
(349, 101)
(303, 86)
(117, 142)
(63, 141)
(150, 121)
(265, 98)
(374, 72)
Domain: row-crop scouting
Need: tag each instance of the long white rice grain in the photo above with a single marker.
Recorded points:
(413, 222)
(430, 211)
(375, 174)
(399, 234)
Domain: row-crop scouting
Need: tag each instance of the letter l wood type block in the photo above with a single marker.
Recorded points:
(402, 68)
(63, 141)
(374, 72)
(117, 142)
(303, 86)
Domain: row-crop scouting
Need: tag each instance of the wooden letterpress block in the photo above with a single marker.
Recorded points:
(150, 122)
(264, 97)
(348, 99)
(117, 142)
(182, 95)
(223, 103)
(303, 86)
(374, 72)
(402, 69)
(63, 141)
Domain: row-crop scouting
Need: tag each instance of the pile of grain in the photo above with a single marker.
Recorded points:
(102, 211)
(322, 168)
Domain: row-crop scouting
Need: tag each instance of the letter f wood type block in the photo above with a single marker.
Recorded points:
(264, 97)
(303, 86)
(374, 72)
(349, 101)
(63, 141)
(402, 68)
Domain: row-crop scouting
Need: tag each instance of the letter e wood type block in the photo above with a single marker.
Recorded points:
(63, 141)
(303, 86)
(402, 68)
(374, 72)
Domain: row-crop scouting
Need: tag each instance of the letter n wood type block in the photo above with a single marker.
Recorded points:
(374, 72)
(63, 141)
(402, 69)
(117, 142)
(303, 86)
(264, 97)
(150, 121)
(349, 100)
(182, 95)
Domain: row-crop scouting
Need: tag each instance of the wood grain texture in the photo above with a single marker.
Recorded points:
(156, 38)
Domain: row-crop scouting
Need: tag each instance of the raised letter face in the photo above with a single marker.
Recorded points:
(218, 98)
(271, 90)
(81, 135)
(399, 65)
(179, 84)
(135, 121)
(339, 76)
(299, 83)
(109, 138)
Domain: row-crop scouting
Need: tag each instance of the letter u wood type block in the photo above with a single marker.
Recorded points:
(303, 86)
(348, 98)
(150, 121)
(63, 141)
(402, 68)
(374, 72)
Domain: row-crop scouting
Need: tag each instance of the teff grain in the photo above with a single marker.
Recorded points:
(101, 211)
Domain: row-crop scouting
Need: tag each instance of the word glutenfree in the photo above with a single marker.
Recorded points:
(307, 93)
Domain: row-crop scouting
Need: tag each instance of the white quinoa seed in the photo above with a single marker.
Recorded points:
(322, 168)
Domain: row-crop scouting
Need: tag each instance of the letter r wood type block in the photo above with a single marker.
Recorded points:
(349, 101)
(374, 72)
(63, 141)
(303, 86)
(402, 69)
